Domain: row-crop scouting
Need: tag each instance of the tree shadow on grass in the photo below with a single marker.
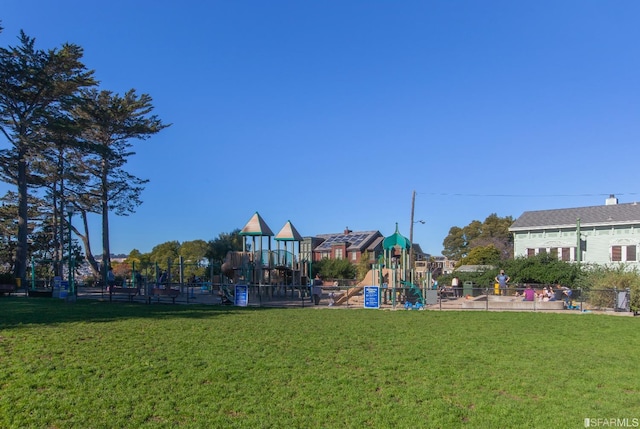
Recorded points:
(18, 311)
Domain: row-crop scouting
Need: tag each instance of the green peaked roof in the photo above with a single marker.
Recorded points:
(256, 227)
(396, 239)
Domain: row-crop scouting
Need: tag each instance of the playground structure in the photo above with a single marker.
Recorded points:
(392, 273)
(268, 271)
(260, 265)
(269, 265)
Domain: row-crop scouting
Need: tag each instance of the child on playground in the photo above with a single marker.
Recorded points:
(332, 294)
(316, 290)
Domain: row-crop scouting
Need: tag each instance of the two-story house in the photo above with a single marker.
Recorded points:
(604, 234)
(346, 245)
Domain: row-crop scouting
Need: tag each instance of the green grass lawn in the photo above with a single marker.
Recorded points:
(98, 365)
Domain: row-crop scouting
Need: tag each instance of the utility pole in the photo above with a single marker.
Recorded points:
(579, 244)
(413, 205)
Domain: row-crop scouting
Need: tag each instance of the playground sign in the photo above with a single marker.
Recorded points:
(64, 289)
(241, 298)
(57, 280)
(371, 297)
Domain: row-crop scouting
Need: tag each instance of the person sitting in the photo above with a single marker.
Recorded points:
(544, 295)
(566, 293)
(529, 294)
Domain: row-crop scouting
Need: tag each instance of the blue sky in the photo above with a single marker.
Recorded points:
(330, 114)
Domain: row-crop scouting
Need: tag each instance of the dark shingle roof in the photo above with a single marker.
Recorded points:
(614, 214)
(375, 243)
(358, 240)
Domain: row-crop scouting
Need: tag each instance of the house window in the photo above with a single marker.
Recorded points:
(542, 250)
(554, 252)
(566, 253)
(616, 253)
(354, 256)
(631, 253)
(531, 253)
(338, 254)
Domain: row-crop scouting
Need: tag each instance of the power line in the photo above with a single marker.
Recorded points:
(446, 194)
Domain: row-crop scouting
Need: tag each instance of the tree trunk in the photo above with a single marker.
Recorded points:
(106, 253)
(21, 249)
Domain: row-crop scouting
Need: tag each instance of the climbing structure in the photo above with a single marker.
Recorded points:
(259, 232)
(391, 273)
(396, 253)
(286, 263)
(396, 257)
(258, 263)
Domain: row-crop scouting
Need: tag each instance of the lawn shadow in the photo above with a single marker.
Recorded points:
(18, 311)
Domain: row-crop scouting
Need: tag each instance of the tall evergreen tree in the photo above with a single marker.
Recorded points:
(109, 124)
(35, 85)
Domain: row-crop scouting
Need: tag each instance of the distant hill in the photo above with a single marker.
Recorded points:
(113, 256)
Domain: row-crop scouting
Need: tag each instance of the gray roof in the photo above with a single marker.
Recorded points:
(614, 214)
(474, 268)
(358, 240)
(417, 249)
(375, 243)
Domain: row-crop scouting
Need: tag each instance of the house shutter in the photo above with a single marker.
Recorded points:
(616, 253)
(631, 253)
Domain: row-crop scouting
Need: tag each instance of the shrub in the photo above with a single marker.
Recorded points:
(602, 281)
(335, 269)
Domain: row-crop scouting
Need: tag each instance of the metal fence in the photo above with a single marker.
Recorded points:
(467, 297)
(513, 298)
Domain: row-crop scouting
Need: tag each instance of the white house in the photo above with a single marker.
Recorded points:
(599, 234)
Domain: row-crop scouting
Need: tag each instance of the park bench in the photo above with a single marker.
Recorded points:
(447, 293)
(130, 292)
(7, 288)
(164, 292)
(40, 293)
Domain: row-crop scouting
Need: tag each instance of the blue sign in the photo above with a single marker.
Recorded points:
(242, 296)
(64, 289)
(371, 297)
